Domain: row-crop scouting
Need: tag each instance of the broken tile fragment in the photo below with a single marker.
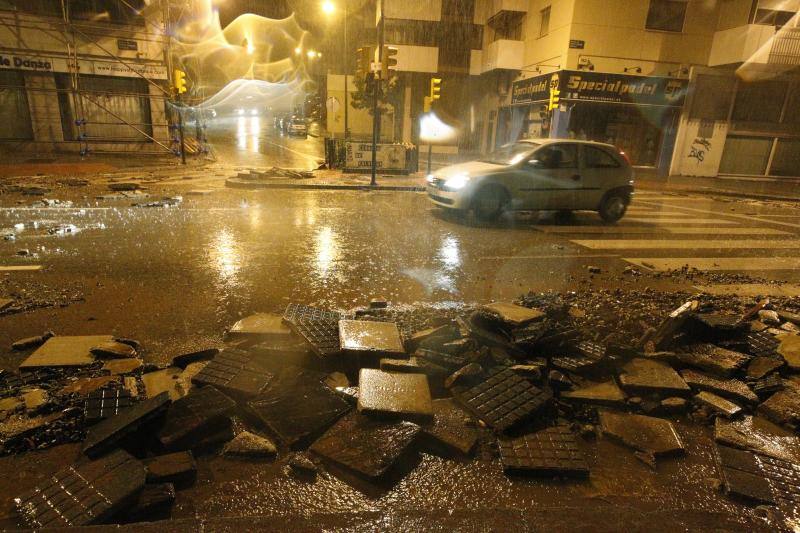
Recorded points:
(644, 433)
(647, 376)
(250, 445)
(179, 468)
(364, 337)
(717, 404)
(409, 366)
(732, 389)
(783, 407)
(504, 399)
(105, 403)
(761, 366)
(116, 367)
(714, 359)
(606, 393)
(31, 342)
(85, 386)
(366, 447)
(745, 485)
(763, 344)
(449, 435)
(264, 326)
(106, 434)
(152, 500)
(164, 380)
(298, 411)
(34, 399)
(759, 435)
(185, 359)
(83, 494)
(466, 375)
(394, 395)
(436, 335)
(512, 314)
(113, 350)
(236, 373)
(65, 351)
(789, 349)
(200, 413)
(552, 452)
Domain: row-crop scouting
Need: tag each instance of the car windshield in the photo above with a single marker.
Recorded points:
(510, 154)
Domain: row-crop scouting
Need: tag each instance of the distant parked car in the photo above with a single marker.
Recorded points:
(297, 126)
(538, 175)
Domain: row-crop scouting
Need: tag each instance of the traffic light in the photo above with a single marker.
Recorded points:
(436, 89)
(363, 61)
(426, 104)
(389, 62)
(554, 99)
(180, 81)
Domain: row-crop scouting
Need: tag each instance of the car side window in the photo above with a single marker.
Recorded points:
(598, 158)
(556, 156)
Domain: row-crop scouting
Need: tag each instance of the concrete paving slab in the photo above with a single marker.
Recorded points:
(65, 351)
(644, 433)
(367, 337)
(394, 395)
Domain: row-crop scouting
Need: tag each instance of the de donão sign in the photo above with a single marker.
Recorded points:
(128, 69)
(25, 63)
(577, 85)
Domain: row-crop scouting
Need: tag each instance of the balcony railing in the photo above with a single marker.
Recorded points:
(756, 43)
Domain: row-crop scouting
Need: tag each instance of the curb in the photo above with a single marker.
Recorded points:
(259, 185)
(726, 193)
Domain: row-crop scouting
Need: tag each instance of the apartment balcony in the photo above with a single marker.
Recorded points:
(756, 43)
(503, 54)
(502, 10)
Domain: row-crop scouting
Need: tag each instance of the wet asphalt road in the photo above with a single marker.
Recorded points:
(174, 278)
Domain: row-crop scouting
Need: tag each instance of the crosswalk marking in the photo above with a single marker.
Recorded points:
(692, 244)
(20, 268)
(681, 220)
(717, 263)
(789, 290)
(645, 230)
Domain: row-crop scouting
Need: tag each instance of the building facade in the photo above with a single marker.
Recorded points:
(88, 75)
(689, 87)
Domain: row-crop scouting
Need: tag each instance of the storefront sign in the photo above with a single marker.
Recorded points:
(127, 44)
(389, 157)
(25, 63)
(576, 43)
(127, 70)
(578, 85)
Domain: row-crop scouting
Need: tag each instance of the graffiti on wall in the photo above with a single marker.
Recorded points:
(698, 149)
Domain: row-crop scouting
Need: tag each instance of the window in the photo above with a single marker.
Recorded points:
(544, 24)
(745, 155)
(771, 17)
(508, 28)
(557, 156)
(14, 103)
(666, 15)
(759, 101)
(35, 7)
(598, 158)
(107, 11)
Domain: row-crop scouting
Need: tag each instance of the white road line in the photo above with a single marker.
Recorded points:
(691, 244)
(564, 256)
(717, 263)
(680, 220)
(644, 230)
(748, 218)
(20, 268)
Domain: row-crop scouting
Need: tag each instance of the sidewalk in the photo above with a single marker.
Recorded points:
(779, 189)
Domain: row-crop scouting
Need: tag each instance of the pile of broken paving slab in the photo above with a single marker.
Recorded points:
(536, 381)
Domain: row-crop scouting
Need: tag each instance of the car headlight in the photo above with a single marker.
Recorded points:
(429, 178)
(456, 182)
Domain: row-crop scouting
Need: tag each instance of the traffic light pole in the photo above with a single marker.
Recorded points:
(180, 130)
(376, 118)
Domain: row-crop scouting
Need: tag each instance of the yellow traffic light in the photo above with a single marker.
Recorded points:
(180, 81)
(426, 104)
(363, 61)
(554, 99)
(436, 89)
(389, 63)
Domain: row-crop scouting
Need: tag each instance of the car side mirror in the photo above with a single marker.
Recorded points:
(535, 163)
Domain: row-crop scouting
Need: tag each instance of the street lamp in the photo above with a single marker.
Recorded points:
(328, 8)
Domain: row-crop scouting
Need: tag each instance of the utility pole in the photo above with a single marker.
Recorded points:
(346, 132)
(376, 118)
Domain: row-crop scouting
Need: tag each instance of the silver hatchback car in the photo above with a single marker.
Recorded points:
(538, 175)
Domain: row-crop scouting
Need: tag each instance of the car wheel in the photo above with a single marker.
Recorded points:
(613, 207)
(489, 202)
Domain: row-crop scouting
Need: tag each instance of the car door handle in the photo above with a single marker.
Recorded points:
(575, 177)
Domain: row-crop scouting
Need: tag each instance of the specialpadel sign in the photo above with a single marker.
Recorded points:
(578, 85)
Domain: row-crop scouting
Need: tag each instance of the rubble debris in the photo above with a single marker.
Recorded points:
(117, 367)
(106, 434)
(201, 413)
(183, 360)
(261, 326)
(154, 499)
(761, 366)
(789, 349)
(449, 435)
(659, 338)
(673, 405)
(717, 404)
(464, 375)
(504, 399)
(732, 389)
(164, 380)
(552, 452)
(113, 350)
(34, 399)
(179, 468)
(59, 351)
(759, 435)
(759, 478)
(768, 385)
(301, 465)
(85, 386)
(31, 342)
(787, 316)
(646, 376)
(512, 314)
(593, 269)
(783, 407)
(767, 316)
(9, 406)
(250, 445)
(321, 334)
(297, 411)
(123, 186)
(105, 403)
(5, 303)
(409, 366)
(366, 447)
(236, 373)
(714, 359)
(83, 494)
(393, 395)
(435, 335)
(643, 433)
(369, 338)
(606, 393)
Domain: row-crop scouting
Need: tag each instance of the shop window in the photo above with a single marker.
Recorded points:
(14, 103)
(792, 113)
(745, 155)
(759, 101)
(666, 15)
(557, 156)
(597, 158)
(786, 161)
(712, 97)
(35, 7)
(544, 21)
